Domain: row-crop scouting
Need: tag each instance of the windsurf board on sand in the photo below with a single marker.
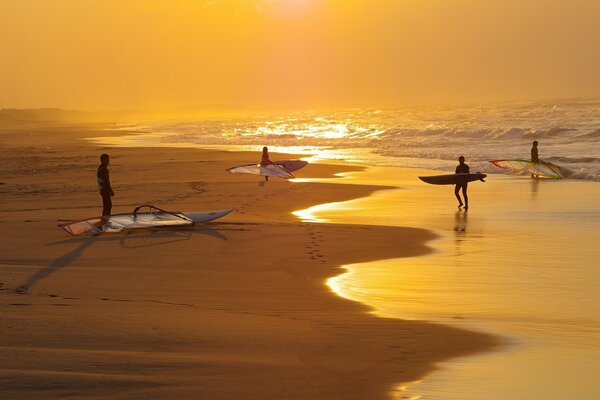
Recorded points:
(281, 169)
(155, 218)
(541, 169)
(453, 179)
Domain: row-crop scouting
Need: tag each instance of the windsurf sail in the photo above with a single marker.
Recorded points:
(540, 169)
(153, 218)
(257, 169)
(91, 226)
(513, 165)
(292, 165)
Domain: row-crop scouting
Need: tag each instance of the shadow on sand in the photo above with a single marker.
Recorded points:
(129, 240)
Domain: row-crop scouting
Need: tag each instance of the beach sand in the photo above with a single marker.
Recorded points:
(233, 309)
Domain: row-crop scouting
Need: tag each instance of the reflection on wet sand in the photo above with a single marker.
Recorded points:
(521, 239)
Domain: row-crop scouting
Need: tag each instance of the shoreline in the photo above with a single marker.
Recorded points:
(474, 281)
(242, 310)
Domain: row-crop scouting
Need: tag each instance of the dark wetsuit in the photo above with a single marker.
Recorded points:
(462, 169)
(105, 188)
(534, 154)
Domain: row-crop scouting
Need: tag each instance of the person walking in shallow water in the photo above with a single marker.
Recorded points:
(104, 185)
(264, 161)
(462, 168)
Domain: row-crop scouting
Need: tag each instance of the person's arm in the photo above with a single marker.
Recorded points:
(110, 189)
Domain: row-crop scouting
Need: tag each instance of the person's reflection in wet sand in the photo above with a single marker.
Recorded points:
(460, 228)
(535, 186)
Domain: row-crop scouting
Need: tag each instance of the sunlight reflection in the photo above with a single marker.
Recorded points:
(339, 285)
(482, 268)
(322, 131)
(340, 176)
(310, 214)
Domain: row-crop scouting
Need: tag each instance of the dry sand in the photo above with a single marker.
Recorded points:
(235, 309)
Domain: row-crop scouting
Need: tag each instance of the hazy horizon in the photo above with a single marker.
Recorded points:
(264, 54)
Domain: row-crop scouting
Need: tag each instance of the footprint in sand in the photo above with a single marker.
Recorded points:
(21, 290)
(314, 244)
(109, 299)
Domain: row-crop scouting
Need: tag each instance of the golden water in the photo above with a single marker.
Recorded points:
(523, 263)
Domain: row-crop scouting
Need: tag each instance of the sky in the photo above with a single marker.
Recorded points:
(151, 54)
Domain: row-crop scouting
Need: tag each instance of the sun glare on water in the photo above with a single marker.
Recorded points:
(309, 130)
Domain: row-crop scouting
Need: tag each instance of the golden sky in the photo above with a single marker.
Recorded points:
(147, 54)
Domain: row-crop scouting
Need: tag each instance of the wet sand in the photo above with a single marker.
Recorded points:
(234, 309)
(522, 263)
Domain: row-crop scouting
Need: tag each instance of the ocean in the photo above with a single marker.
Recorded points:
(428, 137)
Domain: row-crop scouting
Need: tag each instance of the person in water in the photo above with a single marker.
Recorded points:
(264, 161)
(104, 185)
(462, 168)
(534, 152)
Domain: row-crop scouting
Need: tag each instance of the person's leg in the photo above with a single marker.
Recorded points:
(106, 204)
(456, 189)
(464, 190)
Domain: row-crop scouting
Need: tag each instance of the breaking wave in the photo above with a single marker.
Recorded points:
(432, 137)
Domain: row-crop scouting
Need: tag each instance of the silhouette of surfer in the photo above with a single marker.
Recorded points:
(534, 156)
(265, 161)
(104, 185)
(534, 152)
(462, 168)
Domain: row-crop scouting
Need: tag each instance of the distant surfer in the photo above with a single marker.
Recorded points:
(104, 185)
(462, 168)
(534, 156)
(265, 160)
(534, 152)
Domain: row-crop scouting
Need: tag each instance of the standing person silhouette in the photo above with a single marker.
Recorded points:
(104, 185)
(534, 152)
(534, 156)
(462, 168)
(264, 161)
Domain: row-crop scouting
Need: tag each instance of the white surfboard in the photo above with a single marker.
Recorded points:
(281, 169)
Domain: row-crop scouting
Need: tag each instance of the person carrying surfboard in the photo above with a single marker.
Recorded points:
(462, 168)
(265, 160)
(104, 186)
